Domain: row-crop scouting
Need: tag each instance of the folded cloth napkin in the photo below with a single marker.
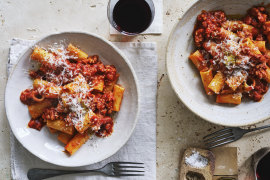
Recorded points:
(141, 147)
(157, 24)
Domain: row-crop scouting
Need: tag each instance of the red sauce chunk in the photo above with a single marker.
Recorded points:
(36, 124)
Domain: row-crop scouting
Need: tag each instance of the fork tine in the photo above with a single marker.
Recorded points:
(119, 166)
(127, 162)
(226, 142)
(219, 140)
(217, 132)
(127, 171)
(120, 174)
(219, 136)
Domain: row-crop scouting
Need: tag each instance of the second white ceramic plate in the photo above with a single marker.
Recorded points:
(185, 78)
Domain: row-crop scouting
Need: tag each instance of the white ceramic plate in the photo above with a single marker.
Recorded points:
(44, 144)
(185, 78)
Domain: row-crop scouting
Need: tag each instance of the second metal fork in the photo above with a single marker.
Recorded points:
(227, 135)
(111, 169)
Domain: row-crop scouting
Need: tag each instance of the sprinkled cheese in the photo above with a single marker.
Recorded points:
(229, 52)
(73, 102)
(236, 79)
(237, 95)
(61, 73)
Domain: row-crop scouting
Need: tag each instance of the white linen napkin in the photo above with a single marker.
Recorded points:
(141, 147)
(157, 25)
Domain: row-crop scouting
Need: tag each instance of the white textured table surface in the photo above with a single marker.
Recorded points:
(177, 127)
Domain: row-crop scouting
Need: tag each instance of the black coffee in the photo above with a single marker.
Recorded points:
(132, 16)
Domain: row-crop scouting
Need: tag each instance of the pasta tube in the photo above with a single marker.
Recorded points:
(76, 142)
(217, 83)
(207, 77)
(76, 52)
(229, 98)
(118, 93)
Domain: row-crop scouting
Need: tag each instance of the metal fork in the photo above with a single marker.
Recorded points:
(111, 169)
(227, 135)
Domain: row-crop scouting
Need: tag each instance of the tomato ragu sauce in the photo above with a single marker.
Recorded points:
(231, 54)
(73, 94)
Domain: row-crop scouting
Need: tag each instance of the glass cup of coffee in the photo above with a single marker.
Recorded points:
(131, 17)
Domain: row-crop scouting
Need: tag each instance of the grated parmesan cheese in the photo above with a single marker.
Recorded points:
(77, 103)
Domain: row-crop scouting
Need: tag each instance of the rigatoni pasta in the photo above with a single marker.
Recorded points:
(232, 55)
(73, 94)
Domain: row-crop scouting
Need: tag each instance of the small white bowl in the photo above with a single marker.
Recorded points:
(44, 144)
(185, 78)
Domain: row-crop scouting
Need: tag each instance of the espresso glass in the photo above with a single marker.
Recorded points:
(131, 17)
